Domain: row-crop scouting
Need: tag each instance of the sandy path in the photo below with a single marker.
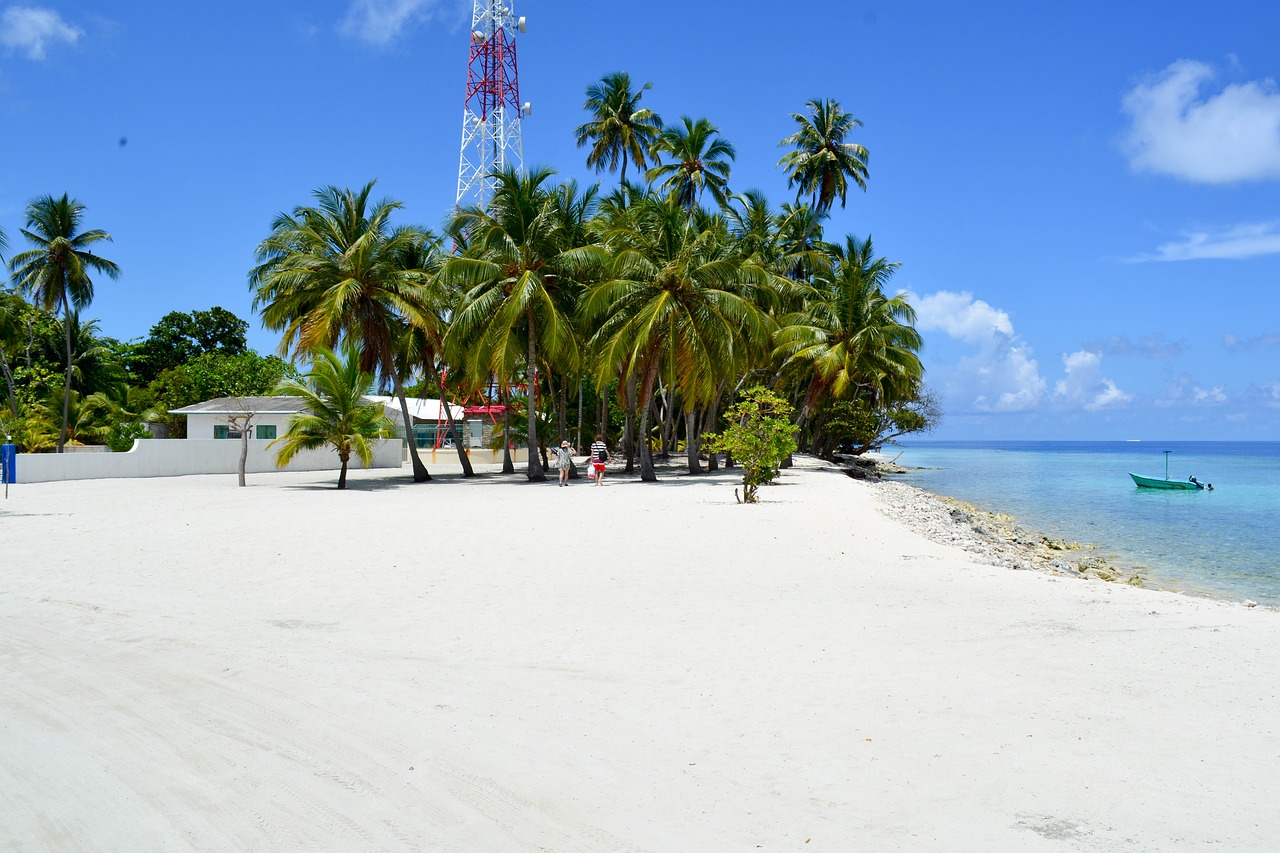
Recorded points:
(488, 665)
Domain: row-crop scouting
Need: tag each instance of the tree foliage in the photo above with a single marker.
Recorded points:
(179, 337)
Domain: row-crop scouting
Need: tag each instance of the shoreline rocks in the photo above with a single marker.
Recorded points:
(995, 537)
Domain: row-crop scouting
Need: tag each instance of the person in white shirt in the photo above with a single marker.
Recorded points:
(599, 456)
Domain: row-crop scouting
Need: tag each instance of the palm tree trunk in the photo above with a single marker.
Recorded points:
(562, 407)
(463, 458)
(342, 474)
(420, 474)
(691, 440)
(665, 399)
(709, 425)
(578, 440)
(508, 466)
(647, 472)
(66, 388)
(630, 428)
(534, 469)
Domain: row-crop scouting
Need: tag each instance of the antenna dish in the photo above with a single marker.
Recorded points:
(527, 109)
(520, 23)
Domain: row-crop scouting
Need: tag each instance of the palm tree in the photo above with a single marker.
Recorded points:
(56, 273)
(822, 162)
(336, 272)
(337, 413)
(698, 159)
(851, 340)
(517, 267)
(677, 296)
(620, 130)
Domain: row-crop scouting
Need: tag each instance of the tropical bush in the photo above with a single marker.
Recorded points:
(759, 436)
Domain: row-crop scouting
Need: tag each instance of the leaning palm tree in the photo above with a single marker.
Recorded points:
(697, 159)
(515, 271)
(337, 414)
(823, 162)
(620, 130)
(56, 272)
(336, 272)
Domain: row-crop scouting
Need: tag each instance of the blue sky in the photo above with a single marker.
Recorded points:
(1083, 196)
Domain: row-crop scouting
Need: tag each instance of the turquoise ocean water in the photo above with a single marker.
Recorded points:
(1224, 543)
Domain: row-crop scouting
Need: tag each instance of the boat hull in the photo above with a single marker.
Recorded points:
(1156, 483)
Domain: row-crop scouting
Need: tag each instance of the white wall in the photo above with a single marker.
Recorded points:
(161, 457)
(200, 426)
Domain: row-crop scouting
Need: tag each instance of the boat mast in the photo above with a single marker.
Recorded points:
(1166, 463)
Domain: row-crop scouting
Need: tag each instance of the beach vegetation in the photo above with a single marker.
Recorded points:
(57, 272)
(519, 273)
(760, 434)
(335, 273)
(853, 427)
(636, 313)
(337, 414)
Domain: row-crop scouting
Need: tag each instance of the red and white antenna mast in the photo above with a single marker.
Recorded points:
(491, 117)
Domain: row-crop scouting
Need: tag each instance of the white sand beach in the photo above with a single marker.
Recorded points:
(489, 665)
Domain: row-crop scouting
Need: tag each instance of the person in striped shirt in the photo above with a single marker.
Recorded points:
(599, 456)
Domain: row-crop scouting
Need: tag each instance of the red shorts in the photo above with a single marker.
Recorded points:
(598, 465)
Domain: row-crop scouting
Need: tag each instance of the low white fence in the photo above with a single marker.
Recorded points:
(176, 457)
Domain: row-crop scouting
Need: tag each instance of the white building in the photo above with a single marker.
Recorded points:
(211, 419)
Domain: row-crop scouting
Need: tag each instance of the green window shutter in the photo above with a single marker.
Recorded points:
(220, 431)
(267, 431)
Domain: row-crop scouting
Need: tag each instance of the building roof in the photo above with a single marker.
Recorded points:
(242, 405)
(420, 409)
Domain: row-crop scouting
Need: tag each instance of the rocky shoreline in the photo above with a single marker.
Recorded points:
(997, 538)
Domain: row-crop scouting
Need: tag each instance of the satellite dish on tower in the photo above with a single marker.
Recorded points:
(527, 109)
(520, 24)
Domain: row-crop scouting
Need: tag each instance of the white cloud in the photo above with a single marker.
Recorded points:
(1002, 375)
(1234, 342)
(1084, 386)
(1271, 395)
(382, 21)
(1185, 391)
(960, 316)
(1231, 135)
(1236, 242)
(1208, 396)
(31, 30)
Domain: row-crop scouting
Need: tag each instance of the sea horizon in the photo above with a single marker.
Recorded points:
(1217, 543)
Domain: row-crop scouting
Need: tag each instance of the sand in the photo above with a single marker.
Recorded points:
(491, 665)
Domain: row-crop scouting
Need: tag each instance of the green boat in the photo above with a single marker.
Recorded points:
(1189, 484)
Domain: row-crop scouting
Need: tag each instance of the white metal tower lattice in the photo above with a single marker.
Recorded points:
(491, 139)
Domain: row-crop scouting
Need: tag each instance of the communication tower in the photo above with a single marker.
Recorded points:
(491, 117)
